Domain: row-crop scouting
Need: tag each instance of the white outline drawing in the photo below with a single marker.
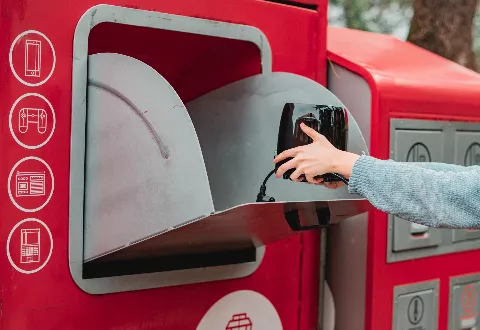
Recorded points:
(10, 58)
(239, 322)
(10, 179)
(39, 127)
(29, 184)
(33, 58)
(29, 246)
(8, 246)
(27, 116)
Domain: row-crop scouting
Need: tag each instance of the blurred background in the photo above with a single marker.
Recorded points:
(449, 28)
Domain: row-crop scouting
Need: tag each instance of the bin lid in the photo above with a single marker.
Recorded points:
(428, 83)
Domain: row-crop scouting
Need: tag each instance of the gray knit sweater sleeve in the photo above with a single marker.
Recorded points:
(435, 195)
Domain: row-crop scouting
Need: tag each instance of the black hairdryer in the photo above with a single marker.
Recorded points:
(330, 121)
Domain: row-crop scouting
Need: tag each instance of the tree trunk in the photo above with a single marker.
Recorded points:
(445, 27)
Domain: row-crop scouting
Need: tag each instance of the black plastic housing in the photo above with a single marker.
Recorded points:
(330, 121)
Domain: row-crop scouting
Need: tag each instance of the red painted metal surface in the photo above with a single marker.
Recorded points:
(436, 89)
(48, 298)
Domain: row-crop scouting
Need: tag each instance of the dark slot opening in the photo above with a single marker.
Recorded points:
(295, 4)
(99, 268)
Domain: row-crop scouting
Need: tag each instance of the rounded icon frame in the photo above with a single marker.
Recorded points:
(8, 246)
(10, 58)
(10, 190)
(26, 146)
(420, 318)
(422, 145)
(470, 149)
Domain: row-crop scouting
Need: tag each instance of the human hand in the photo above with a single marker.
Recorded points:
(332, 184)
(316, 159)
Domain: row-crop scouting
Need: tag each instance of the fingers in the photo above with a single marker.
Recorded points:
(286, 166)
(290, 153)
(310, 132)
(311, 178)
(334, 184)
(296, 175)
(316, 181)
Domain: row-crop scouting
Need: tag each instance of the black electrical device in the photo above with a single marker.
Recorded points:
(330, 121)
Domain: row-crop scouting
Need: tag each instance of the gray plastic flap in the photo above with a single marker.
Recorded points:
(147, 194)
(144, 169)
(237, 126)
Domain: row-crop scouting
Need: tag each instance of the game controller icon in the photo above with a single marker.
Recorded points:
(28, 116)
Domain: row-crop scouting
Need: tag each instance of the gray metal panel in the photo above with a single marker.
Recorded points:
(347, 277)
(134, 17)
(347, 243)
(140, 143)
(405, 239)
(451, 240)
(416, 306)
(423, 146)
(252, 224)
(353, 90)
(416, 146)
(467, 153)
(464, 301)
(237, 126)
(459, 235)
(467, 148)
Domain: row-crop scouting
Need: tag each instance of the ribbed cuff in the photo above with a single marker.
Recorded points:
(360, 174)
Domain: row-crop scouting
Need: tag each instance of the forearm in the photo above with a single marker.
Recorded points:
(447, 199)
(442, 167)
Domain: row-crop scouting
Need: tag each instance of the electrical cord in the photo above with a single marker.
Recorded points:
(328, 178)
(261, 196)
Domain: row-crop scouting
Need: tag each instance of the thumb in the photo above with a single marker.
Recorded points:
(313, 134)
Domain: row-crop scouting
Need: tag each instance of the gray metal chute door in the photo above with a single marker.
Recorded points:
(238, 128)
(144, 169)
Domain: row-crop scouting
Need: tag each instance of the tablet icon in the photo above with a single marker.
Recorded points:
(30, 246)
(33, 58)
(37, 117)
(32, 120)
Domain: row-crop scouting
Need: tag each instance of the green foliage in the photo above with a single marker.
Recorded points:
(383, 16)
(476, 35)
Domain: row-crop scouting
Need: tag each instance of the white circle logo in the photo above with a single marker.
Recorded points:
(29, 246)
(32, 58)
(241, 310)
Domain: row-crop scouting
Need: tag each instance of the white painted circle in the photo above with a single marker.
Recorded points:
(250, 306)
(11, 115)
(8, 247)
(10, 58)
(10, 178)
